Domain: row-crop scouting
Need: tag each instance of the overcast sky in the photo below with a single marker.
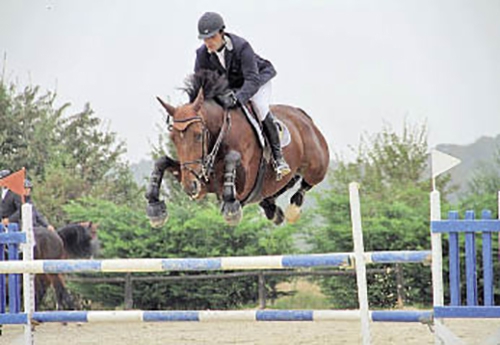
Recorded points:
(352, 65)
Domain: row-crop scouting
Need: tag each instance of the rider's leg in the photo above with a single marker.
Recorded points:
(261, 101)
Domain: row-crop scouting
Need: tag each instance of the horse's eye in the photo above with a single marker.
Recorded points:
(197, 137)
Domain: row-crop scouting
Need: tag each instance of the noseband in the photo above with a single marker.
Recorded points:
(206, 161)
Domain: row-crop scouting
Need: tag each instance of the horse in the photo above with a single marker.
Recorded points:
(73, 241)
(219, 152)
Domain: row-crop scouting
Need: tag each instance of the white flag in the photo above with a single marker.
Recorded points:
(441, 162)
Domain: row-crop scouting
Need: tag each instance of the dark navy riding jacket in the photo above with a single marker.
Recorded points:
(10, 208)
(245, 70)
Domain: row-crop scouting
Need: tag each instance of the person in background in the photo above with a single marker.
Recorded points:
(11, 208)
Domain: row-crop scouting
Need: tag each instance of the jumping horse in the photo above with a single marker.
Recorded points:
(73, 241)
(219, 152)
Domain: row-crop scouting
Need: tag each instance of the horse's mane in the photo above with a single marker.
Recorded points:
(78, 241)
(212, 82)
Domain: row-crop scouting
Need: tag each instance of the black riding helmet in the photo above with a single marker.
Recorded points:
(28, 184)
(209, 24)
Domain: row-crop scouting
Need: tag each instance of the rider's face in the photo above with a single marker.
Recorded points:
(215, 42)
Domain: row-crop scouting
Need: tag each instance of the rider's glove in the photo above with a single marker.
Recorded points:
(227, 100)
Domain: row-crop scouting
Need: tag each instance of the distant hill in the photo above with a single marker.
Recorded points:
(472, 155)
(141, 171)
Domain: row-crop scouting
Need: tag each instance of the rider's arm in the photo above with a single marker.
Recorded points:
(16, 216)
(250, 74)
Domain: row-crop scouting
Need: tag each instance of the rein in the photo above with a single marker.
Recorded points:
(207, 160)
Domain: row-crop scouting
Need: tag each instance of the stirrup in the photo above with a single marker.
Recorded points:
(282, 169)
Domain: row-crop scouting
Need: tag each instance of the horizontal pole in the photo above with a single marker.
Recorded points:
(479, 225)
(12, 238)
(159, 265)
(207, 264)
(213, 316)
(402, 256)
(476, 312)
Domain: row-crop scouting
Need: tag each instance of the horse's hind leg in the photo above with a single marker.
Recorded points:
(64, 299)
(272, 211)
(292, 213)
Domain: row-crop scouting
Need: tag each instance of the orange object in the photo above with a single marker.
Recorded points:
(15, 182)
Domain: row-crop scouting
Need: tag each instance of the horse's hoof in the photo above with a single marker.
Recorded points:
(232, 212)
(157, 214)
(292, 213)
(278, 216)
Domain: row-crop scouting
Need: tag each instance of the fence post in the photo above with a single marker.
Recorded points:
(400, 286)
(28, 279)
(359, 254)
(129, 299)
(262, 291)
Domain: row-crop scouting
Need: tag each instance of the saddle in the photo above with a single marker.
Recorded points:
(256, 124)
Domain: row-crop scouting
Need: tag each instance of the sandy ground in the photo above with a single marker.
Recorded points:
(343, 332)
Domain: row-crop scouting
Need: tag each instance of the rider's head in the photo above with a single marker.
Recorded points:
(28, 186)
(211, 30)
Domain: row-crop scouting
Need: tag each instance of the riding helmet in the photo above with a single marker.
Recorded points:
(209, 24)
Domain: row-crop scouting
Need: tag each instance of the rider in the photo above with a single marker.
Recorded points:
(11, 208)
(247, 73)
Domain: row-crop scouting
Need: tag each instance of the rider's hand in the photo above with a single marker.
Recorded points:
(228, 100)
(5, 221)
(51, 228)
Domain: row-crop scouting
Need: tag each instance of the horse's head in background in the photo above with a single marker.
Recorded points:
(195, 125)
(80, 239)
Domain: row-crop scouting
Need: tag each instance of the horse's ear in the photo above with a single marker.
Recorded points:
(170, 109)
(199, 100)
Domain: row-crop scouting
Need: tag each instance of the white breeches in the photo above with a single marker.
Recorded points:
(262, 99)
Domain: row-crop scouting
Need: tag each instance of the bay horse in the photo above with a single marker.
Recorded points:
(218, 152)
(73, 241)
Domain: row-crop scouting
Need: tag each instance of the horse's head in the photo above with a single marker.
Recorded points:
(80, 239)
(190, 136)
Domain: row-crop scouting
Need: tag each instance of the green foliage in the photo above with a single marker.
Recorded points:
(395, 215)
(193, 231)
(67, 156)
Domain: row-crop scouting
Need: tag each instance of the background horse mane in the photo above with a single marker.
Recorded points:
(79, 239)
(212, 82)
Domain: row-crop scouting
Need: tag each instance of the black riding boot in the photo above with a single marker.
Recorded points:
(272, 134)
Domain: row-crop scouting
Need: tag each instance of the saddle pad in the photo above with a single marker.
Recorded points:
(285, 137)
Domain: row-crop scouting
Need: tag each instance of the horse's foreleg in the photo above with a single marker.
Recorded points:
(156, 209)
(163, 164)
(64, 299)
(292, 213)
(231, 208)
(41, 285)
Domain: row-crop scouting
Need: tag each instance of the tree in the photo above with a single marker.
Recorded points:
(395, 213)
(67, 156)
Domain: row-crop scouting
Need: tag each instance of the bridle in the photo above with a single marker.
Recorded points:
(207, 160)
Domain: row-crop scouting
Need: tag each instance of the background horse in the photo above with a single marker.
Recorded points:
(219, 153)
(73, 241)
